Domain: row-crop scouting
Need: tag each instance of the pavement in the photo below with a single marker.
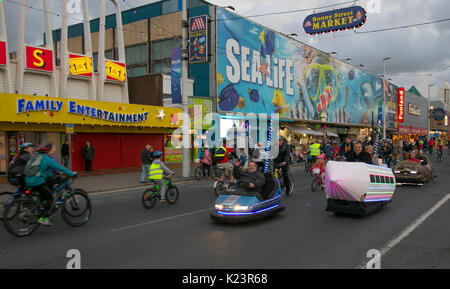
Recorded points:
(412, 232)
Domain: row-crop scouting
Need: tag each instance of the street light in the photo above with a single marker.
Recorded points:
(428, 111)
(348, 59)
(293, 34)
(333, 53)
(384, 97)
(229, 7)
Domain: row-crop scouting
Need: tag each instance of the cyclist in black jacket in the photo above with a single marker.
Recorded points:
(282, 160)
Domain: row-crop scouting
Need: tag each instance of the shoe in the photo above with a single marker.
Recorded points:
(163, 201)
(59, 201)
(45, 221)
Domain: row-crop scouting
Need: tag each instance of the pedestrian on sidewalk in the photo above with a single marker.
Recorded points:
(146, 159)
(88, 153)
(65, 153)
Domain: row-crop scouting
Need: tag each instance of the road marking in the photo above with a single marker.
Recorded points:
(419, 221)
(160, 220)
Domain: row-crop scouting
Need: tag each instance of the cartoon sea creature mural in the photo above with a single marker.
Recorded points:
(228, 98)
(254, 95)
(367, 93)
(267, 38)
(351, 74)
(220, 79)
(325, 99)
(279, 100)
(241, 103)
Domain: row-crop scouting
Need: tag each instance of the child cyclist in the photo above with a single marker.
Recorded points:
(157, 170)
(320, 164)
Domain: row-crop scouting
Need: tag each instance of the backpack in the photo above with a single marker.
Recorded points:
(32, 167)
(255, 153)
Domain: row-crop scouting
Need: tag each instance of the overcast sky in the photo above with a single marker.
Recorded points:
(417, 54)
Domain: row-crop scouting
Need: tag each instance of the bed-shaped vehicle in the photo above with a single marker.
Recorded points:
(242, 206)
(414, 173)
(357, 188)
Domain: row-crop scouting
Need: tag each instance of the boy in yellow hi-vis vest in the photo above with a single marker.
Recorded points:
(156, 173)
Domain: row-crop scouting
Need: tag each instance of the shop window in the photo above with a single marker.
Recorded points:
(163, 68)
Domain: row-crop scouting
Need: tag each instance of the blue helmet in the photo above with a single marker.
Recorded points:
(157, 154)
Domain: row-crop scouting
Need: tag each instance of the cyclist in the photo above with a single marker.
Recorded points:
(38, 170)
(431, 145)
(221, 157)
(156, 173)
(16, 170)
(440, 146)
(282, 160)
(314, 150)
(320, 164)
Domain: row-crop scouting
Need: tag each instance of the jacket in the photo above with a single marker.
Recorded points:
(257, 178)
(88, 153)
(284, 154)
(163, 166)
(65, 150)
(363, 157)
(343, 152)
(206, 157)
(45, 171)
(329, 151)
(146, 157)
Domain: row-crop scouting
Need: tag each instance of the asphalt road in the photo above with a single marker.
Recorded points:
(123, 234)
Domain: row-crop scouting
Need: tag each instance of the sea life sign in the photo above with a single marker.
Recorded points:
(259, 70)
(336, 20)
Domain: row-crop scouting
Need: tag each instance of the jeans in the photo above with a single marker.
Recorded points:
(46, 198)
(145, 172)
(162, 190)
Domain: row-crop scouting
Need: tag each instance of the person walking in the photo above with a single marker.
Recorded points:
(88, 153)
(146, 159)
(65, 153)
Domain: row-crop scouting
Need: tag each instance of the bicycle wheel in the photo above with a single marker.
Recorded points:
(21, 216)
(219, 187)
(4, 197)
(291, 186)
(314, 185)
(149, 198)
(199, 173)
(77, 208)
(307, 167)
(172, 195)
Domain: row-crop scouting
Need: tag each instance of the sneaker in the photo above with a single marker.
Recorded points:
(45, 221)
(59, 201)
(163, 201)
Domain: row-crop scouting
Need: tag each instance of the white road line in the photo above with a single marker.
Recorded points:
(391, 244)
(161, 220)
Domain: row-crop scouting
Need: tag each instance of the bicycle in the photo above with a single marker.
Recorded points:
(151, 195)
(26, 208)
(220, 185)
(201, 172)
(7, 197)
(278, 173)
(317, 181)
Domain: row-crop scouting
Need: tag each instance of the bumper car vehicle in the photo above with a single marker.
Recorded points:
(413, 173)
(357, 188)
(243, 206)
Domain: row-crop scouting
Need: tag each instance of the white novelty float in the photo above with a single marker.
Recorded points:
(358, 188)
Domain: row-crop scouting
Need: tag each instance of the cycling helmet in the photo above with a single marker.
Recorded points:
(26, 145)
(45, 148)
(157, 154)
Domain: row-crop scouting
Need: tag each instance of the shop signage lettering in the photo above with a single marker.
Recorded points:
(274, 71)
(25, 106)
(401, 104)
(106, 115)
(39, 59)
(336, 20)
(413, 109)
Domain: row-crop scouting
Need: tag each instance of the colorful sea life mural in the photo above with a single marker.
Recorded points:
(263, 70)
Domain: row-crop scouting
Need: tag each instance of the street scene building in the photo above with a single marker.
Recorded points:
(111, 93)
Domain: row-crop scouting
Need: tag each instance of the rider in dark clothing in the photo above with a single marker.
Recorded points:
(282, 160)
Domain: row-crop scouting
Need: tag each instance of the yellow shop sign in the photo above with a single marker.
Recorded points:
(26, 108)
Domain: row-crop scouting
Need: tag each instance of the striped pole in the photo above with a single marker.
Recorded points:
(375, 151)
(269, 141)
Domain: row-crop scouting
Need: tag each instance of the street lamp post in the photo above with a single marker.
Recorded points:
(428, 111)
(384, 97)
